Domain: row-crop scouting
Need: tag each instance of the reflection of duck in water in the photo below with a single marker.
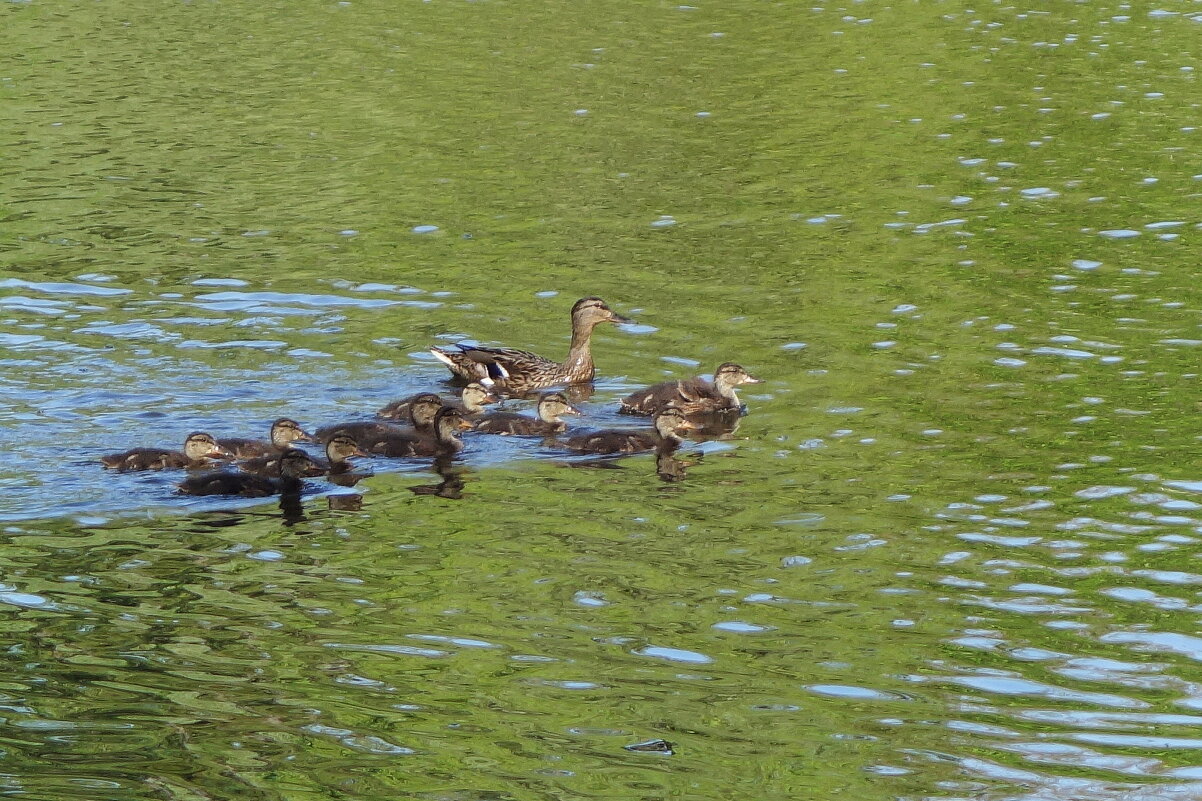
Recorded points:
(284, 432)
(451, 485)
(471, 402)
(199, 447)
(518, 371)
(293, 465)
(447, 423)
(422, 410)
(693, 396)
(668, 424)
(550, 406)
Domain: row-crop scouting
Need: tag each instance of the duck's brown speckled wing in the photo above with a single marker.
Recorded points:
(513, 423)
(689, 395)
(247, 448)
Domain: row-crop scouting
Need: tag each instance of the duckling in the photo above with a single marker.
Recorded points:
(422, 410)
(615, 440)
(519, 371)
(447, 422)
(293, 464)
(471, 402)
(550, 406)
(283, 433)
(339, 448)
(198, 448)
(692, 395)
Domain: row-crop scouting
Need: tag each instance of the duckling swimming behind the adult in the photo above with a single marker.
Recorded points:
(198, 448)
(692, 395)
(293, 464)
(284, 432)
(447, 423)
(550, 406)
(471, 401)
(422, 410)
(665, 436)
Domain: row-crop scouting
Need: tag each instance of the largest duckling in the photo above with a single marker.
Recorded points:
(198, 448)
(519, 371)
(693, 395)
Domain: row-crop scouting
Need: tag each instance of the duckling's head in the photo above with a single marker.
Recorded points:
(671, 421)
(285, 431)
(449, 422)
(475, 396)
(295, 463)
(552, 404)
(200, 445)
(732, 375)
(588, 312)
(423, 409)
(341, 447)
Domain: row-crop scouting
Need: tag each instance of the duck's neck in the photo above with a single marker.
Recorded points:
(725, 388)
(580, 357)
(447, 441)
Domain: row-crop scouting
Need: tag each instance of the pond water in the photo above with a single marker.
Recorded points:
(952, 551)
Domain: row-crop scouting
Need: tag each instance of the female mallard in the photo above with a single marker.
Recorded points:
(472, 401)
(692, 395)
(550, 406)
(198, 448)
(284, 432)
(293, 464)
(403, 442)
(665, 437)
(422, 410)
(518, 371)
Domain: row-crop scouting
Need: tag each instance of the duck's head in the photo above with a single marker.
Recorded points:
(448, 422)
(590, 311)
(342, 447)
(423, 409)
(200, 445)
(552, 404)
(732, 375)
(285, 431)
(475, 396)
(671, 421)
(295, 463)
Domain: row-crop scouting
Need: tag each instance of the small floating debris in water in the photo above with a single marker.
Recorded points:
(257, 233)
(580, 112)
(424, 229)
(1119, 233)
(348, 232)
(664, 221)
(651, 747)
(791, 346)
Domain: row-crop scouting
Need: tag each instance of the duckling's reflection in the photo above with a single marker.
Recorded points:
(291, 508)
(345, 503)
(451, 485)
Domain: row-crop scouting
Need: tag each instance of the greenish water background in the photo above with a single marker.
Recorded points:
(951, 553)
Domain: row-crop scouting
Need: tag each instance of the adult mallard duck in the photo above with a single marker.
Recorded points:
(472, 401)
(284, 432)
(692, 395)
(447, 423)
(422, 410)
(519, 371)
(550, 406)
(293, 464)
(665, 436)
(198, 448)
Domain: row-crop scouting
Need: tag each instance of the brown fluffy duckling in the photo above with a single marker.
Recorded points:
(339, 448)
(518, 371)
(472, 400)
(664, 438)
(293, 465)
(198, 448)
(550, 406)
(422, 410)
(447, 423)
(284, 432)
(692, 395)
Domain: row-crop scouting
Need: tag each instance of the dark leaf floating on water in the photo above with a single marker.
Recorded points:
(652, 747)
